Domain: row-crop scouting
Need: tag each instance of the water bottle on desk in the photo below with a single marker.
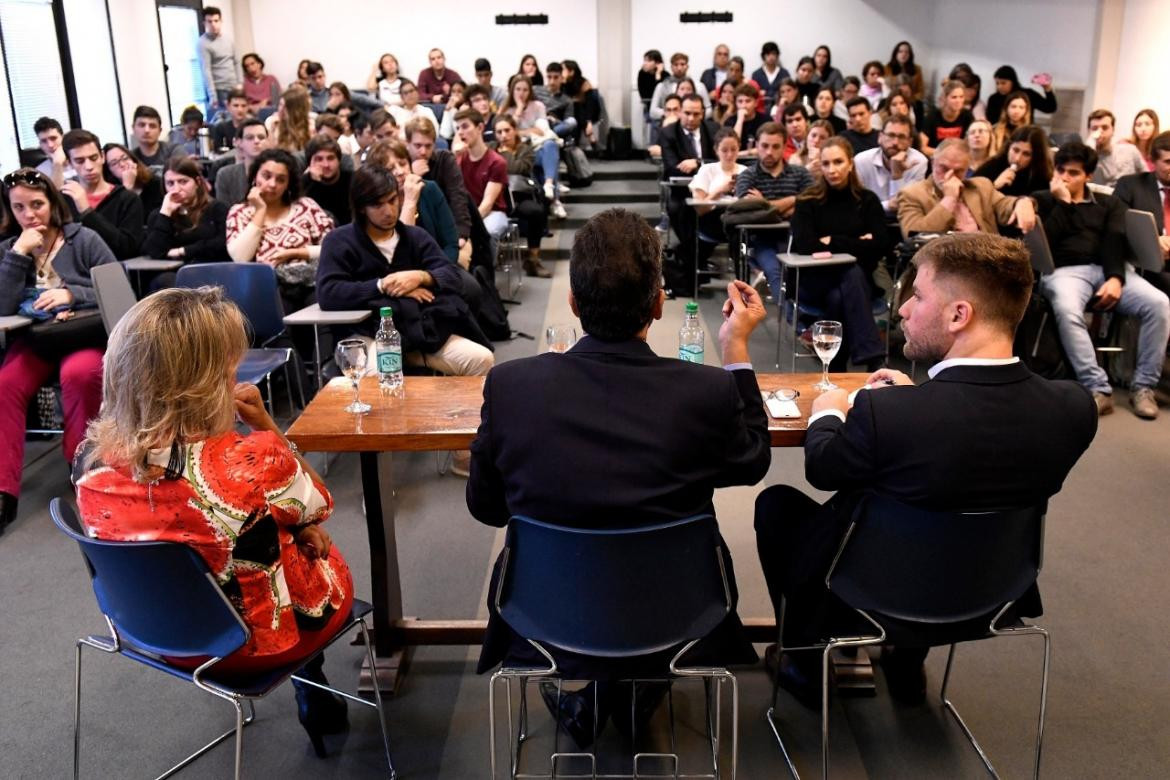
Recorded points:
(690, 336)
(388, 347)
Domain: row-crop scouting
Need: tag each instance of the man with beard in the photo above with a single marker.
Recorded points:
(983, 433)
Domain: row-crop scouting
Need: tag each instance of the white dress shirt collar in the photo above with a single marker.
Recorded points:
(943, 365)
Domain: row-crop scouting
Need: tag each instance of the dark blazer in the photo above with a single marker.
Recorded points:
(973, 438)
(1140, 191)
(677, 147)
(611, 435)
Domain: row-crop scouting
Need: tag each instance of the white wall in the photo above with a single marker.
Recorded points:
(1053, 36)
(285, 31)
(139, 54)
(1141, 71)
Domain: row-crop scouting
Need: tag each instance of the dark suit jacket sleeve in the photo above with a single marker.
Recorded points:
(842, 455)
(672, 153)
(338, 286)
(749, 446)
(485, 485)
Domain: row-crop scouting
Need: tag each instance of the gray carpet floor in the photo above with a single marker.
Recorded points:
(1105, 582)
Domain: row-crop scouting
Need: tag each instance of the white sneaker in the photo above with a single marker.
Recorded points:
(760, 283)
(563, 188)
(558, 210)
(549, 194)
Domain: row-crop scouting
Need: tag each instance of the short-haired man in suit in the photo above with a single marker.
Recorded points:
(606, 407)
(686, 145)
(1151, 192)
(983, 433)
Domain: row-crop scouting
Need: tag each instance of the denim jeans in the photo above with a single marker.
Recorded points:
(548, 160)
(1069, 289)
(566, 128)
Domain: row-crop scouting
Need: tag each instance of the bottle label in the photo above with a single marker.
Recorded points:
(690, 353)
(389, 361)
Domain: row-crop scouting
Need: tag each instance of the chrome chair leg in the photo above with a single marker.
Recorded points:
(239, 736)
(377, 698)
(77, 713)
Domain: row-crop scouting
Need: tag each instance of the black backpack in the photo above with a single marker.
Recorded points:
(1038, 341)
(492, 316)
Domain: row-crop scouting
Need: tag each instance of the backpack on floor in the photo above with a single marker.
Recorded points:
(492, 316)
(619, 144)
(1038, 341)
(577, 164)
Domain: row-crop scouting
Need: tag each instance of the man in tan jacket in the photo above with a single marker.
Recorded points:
(949, 202)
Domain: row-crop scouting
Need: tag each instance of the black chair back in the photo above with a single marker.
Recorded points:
(936, 567)
(160, 596)
(613, 592)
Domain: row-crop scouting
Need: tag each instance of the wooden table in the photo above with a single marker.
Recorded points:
(442, 413)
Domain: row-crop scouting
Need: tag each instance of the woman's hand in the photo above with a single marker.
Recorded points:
(30, 240)
(1005, 179)
(256, 201)
(51, 299)
(314, 542)
(282, 256)
(172, 202)
(250, 408)
(178, 253)
(412, 188)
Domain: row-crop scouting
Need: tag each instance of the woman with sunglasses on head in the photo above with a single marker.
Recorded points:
(189, 226)
(45, 275)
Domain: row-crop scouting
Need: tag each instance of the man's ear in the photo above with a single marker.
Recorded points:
(658, 304)
(573, 305)
(961, 315)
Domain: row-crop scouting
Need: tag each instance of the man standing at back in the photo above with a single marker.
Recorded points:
(611, 435)
(217, 55)
(983, 433)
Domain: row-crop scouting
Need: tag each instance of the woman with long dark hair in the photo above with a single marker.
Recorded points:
(1006, 82)
(837, 214)
(1145, 127)
(826, 74)
(384, 79)
(902, 61)
(530, 68)
(189, 225)
(123, 167)
(581, 91)
(1023, 165)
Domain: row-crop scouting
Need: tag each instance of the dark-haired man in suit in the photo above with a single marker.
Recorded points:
(686, 144)
(984, 433)
(1151, 192)
(611, 435)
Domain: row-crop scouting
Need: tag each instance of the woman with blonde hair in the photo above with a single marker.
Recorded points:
(164, 461)
(291, 125)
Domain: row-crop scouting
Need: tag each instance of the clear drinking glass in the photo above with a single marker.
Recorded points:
(352, 355)
(561, 337)
(827, 343)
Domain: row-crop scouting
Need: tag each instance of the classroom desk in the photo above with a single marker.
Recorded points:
(435, 414)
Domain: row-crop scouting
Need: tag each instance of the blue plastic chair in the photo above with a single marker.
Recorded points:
(923, 578)
(160, 600)
(252, 287)
(613, 593)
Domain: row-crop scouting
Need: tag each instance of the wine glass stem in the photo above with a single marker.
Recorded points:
(824, 372)
(355, 394)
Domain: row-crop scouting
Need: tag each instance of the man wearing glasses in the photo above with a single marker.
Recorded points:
(892, 165)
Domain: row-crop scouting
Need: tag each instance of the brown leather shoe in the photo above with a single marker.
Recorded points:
(1145, 404)
(1104, 403)
(533, 267)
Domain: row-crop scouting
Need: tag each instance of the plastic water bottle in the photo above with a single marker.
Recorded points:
(388, 345)
(690, 336)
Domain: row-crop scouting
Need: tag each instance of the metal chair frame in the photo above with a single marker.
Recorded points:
(115, 645)
(712, 724)
(865, 641)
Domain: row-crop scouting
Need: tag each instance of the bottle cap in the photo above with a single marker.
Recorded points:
(692, 307)
(386, 311)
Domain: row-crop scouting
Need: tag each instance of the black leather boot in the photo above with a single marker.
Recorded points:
(7, 510)
(319, 711)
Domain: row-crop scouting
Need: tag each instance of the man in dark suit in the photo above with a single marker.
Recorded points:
(611, 435)
(983, 433)
(686, 145)
(1151, 192)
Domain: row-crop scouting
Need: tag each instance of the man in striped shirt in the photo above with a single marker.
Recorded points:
(778, 183)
